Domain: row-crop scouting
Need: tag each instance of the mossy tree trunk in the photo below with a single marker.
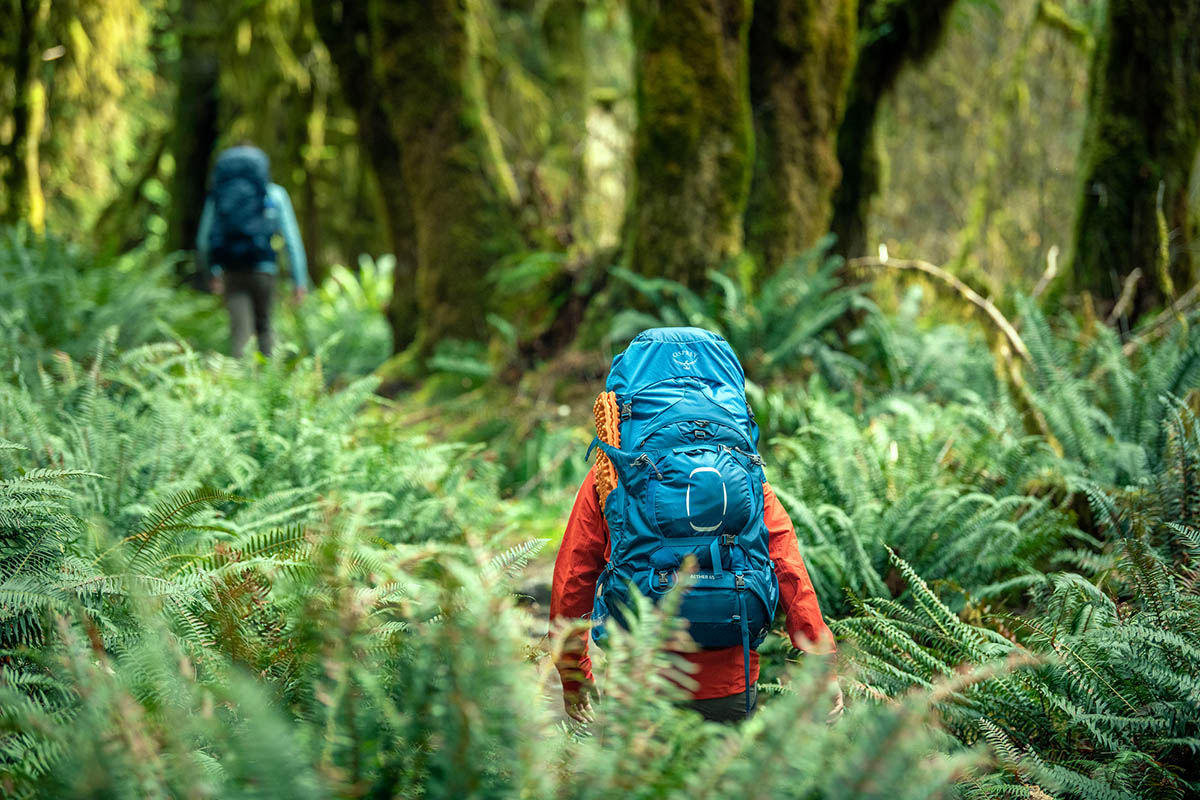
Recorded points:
(694, 141)
(892, 35)
(451, 177)
(345, 29)
(562, 32)
(801, 52)
(196, 121)
(1139, 148)
(22, 178)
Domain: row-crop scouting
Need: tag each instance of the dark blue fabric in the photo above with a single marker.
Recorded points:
(242, 230)
(690, 490)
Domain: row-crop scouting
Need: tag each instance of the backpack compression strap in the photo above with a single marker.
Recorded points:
(745, 643)
(608, 430)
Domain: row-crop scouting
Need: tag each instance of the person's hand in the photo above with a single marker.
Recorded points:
(299, 293)
(839, 705)
(216, 284)
(578, 705)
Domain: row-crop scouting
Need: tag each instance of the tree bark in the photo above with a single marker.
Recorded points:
(345, 29)
(1139, 147)
(23, 182)
(892, 34)
(801, 52)
(562, 33)
(196, 121)
(450, 181)
(694, 140)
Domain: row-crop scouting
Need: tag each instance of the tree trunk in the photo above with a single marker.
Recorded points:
(346, 31)
(23, 183)
(1138, 151)
(801, 52)
(562, 33)
(892, 34)
(450, 177)
(196, 122)
(694, 140)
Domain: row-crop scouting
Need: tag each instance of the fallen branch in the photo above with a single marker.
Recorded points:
(988, 307)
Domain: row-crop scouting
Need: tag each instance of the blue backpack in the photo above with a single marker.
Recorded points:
(242, 227)
(690, 483)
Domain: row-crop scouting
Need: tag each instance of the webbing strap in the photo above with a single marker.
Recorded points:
(714, 550)
(745, 645)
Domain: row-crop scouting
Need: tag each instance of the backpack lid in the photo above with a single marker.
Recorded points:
(659, 354)
(242, 161)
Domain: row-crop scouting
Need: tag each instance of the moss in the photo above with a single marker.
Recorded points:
(457, 186)
(892, 35)
(693, 147)
(22, 176)
(1143, 132)
(801, 52)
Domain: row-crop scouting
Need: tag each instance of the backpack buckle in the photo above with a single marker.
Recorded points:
(663, 579)
(729, 539)
(627, 410)
(739, 582)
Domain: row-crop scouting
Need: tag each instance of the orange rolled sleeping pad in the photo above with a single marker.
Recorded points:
(608, 421)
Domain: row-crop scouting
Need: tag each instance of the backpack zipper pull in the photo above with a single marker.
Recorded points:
(644, 459)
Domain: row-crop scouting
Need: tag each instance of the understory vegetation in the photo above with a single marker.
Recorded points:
(262, 579)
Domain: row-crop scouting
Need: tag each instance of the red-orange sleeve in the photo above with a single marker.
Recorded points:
(805, 625)
(581, 558)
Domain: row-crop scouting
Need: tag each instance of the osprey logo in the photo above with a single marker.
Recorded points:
(685, 359)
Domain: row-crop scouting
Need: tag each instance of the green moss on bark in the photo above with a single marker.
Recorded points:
(892, 34)
(1142, 133)
(22, 177)
(455, 179)
(694, 141)
(346, 31)
(801, 52)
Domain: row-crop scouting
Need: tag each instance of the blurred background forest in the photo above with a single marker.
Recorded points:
(954, 243)
(507, 154)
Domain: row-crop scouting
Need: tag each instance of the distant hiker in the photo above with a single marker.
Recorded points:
(679, 477)
(244, 210)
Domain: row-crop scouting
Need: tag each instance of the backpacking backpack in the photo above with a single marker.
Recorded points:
(242, 228)
(689, 483)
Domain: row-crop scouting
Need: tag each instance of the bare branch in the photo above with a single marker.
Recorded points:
(1131, 282)
(988, 307)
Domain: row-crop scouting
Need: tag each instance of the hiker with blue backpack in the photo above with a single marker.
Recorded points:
(234, 247)
(678, 481)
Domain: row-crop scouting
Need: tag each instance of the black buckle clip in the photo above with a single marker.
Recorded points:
(663, 579)
(729, 539)
(627, 410)
(739, 582)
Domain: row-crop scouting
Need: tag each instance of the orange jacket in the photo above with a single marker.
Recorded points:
(584, 552)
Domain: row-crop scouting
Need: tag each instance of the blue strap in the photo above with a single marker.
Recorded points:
(745, 646)
(588, 455)
(714, 550)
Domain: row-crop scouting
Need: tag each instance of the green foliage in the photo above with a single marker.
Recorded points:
(783, 322)
(1104, 705)
(56, 296)
(248, 579)
(1107, 411)
(343, 321)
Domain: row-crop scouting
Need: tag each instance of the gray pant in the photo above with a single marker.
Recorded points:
(731, 708)
(249, 296)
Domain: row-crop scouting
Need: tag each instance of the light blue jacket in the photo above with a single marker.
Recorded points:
(279, 208)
